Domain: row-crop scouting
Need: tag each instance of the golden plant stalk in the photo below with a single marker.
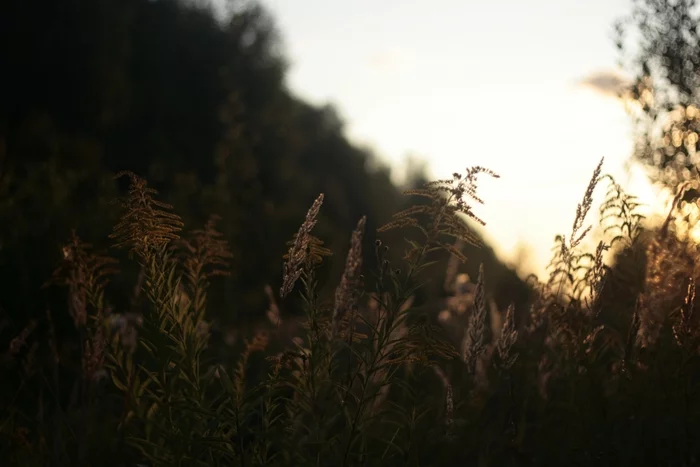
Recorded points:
(506, 341)
(620, 214)
(304, 250)
(204, 254)
(446, 212)
(565, 264)
(86, 275)
(475, 342)
(146, 225)
(583, 208)
(347, 291)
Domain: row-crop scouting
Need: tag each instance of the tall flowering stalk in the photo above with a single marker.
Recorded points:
(475, 340)
(348, 289)
(304, 249)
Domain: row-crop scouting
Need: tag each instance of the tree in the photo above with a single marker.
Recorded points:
(194, 102)
(659, 44)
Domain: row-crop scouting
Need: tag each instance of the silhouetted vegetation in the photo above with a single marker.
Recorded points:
(198, 105)
(198, 268)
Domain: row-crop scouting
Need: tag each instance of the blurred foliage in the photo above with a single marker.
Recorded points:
(113, 361)
(659, 45)
(194, 102)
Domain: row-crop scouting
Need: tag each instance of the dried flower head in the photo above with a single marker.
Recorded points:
(347, 292)
(446, 212)
(509, 335)
(146, 224)
(85, 273)
(475, 340)
(258, 343)
(620, 214)
(683, 331)
(590, 288)
(206, 252)
(567, 259)
(583, 207)
(304, 250)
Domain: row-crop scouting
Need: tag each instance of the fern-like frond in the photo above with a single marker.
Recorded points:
(449, 207)
(620, 214)
(146, 224)
(206, 252)
(86, 274)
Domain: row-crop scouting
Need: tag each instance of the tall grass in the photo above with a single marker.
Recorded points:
(600, 370)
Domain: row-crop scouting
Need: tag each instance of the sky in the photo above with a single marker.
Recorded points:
(461, 82)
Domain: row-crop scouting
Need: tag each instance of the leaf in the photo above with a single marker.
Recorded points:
(120, 385)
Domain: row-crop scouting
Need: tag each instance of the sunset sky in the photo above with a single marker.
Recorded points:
(463, 82)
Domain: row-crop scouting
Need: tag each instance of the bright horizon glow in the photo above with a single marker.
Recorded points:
(474, 83)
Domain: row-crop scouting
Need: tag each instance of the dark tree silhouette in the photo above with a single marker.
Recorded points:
(196, 104)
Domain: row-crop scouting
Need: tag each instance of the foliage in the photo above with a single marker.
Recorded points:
(194, 102)
(123, 360)
(659, 44)
(370, 378)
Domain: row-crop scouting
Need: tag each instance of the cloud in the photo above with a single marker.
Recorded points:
(606, 82)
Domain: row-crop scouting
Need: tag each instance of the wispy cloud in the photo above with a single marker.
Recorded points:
(606, 82)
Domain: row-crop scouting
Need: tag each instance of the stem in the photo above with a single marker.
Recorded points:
(387, 324)
(240, 439)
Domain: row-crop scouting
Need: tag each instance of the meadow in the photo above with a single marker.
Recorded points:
(200, 268)
(601, 369)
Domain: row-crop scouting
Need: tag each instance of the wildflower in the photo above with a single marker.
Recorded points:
(346, 293)
(146, 224)
(300, 250)
(583, 208)
(85, 273)
(206, 253)
(446, 212)
(474, 344)
(683, 331)
(507, 339)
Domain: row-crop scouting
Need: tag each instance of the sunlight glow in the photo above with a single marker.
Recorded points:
(545, 173)
(474, 83)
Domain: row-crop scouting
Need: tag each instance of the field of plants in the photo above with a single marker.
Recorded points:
(198, 268)
(600, 369)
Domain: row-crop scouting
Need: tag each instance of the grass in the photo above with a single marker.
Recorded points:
(601, 370)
